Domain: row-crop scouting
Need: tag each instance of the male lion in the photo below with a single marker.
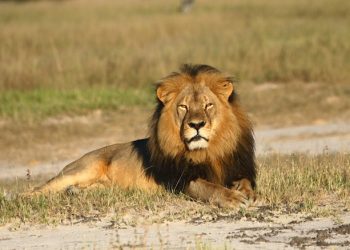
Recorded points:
(200, 143)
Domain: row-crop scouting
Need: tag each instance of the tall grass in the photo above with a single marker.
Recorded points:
(305, 179)
(132, 43)
(74, 45)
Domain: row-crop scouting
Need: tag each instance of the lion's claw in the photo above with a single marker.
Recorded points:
(233, 199)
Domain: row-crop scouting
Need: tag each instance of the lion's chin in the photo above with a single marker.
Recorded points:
(198, 144)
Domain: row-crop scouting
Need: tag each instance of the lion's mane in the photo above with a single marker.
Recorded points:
(233, 152)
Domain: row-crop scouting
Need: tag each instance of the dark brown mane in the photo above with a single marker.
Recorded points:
(175, 173)
(194, 70)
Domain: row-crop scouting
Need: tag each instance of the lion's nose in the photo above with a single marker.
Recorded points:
(196, 125)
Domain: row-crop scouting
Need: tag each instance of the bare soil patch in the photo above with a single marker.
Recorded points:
(292, 231)
(46, 149)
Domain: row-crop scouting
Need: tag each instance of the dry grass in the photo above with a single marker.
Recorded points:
(305, 180)
(72, 57)
(296, 183)
(128, 43)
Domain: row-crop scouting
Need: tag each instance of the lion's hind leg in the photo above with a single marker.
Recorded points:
(79, 174)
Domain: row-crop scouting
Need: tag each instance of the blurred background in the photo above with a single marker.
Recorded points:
(71, 70)
(76, 56)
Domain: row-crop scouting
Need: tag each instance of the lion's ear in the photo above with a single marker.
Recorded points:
(165, 93)
(225, 89)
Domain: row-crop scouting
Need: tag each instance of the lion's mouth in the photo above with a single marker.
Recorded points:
(197, 138)
(197, 142)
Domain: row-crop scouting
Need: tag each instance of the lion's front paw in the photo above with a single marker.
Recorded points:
(244, 186)
(231, 199)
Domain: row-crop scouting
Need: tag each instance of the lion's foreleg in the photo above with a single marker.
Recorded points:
(245, 186)
(216, 194)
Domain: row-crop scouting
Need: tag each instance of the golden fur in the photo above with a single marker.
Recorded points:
(200, 143)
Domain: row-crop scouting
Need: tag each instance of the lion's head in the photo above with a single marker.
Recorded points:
(197, 115)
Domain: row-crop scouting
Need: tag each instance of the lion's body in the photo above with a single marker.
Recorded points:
(200, 143)
(118, 164)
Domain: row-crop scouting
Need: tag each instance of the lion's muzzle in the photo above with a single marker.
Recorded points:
(196, 139)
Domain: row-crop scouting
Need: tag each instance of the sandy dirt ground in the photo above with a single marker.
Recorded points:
(278, 231)
(282, 232)
(313, 139)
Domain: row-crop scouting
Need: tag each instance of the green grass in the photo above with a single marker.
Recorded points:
(284, 104)
(43, 102)
(74, 46)
(297, 183)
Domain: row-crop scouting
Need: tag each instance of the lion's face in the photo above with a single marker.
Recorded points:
(195, 113)
(196, 116)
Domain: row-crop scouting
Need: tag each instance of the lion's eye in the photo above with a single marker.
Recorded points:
(209, 106)
(182, 107)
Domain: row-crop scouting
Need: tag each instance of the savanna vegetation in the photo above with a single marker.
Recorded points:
(71, 57)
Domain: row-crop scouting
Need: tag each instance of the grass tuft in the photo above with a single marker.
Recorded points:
(304, 179)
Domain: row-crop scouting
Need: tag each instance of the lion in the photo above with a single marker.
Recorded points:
(200, 143)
